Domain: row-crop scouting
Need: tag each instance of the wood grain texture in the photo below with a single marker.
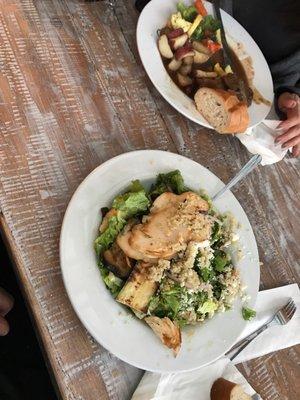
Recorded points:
(73, 94)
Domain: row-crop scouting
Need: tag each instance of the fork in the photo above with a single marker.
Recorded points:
(281, 317)
(251, 164)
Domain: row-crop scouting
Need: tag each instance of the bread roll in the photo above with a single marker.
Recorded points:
(226, 390)
(222, 110)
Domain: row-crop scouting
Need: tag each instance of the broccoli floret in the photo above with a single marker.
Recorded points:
(188, 13)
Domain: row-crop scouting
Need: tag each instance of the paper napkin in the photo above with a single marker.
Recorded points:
(260, 140)
(196, 385)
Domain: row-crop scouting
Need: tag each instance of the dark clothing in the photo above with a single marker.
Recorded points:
(275, 27)
(23, 374)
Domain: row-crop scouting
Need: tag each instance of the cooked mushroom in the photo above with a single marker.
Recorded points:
(167, 331)
(118, 262)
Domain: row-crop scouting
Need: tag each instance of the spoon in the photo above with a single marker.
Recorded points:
(251, 164)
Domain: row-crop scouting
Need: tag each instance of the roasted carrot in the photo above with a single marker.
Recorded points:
(200, 7)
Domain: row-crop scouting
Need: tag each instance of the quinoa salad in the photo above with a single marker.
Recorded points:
(164, 253)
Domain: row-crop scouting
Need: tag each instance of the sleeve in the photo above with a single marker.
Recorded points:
(285, 73)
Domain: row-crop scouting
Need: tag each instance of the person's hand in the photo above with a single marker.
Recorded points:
(6, 304)
(290, 104)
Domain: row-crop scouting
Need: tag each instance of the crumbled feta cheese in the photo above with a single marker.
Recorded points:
(205, 243)
(234, 237)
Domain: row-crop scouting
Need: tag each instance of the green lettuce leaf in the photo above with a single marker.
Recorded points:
(207, 274)
(106, 239)
(128, 205)
(220, 261)
(217, 289)
(131, 203)
(170, 182)
(136, 186)
(175, 300)
(207, 307)
(112, 282)
(167, 303)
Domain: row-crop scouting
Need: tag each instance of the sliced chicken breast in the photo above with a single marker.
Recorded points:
(174, 221)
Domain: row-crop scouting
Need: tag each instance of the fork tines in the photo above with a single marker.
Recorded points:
(286, 313)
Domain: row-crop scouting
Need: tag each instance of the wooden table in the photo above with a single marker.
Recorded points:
(73, 93)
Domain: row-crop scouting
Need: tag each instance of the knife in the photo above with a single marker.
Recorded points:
(226, 48)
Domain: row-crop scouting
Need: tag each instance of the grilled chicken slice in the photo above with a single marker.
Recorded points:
(123, 243)
(174, 221)
(168, 332)
(104, 223)
(118, 262)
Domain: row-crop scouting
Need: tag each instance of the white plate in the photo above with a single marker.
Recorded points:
(154, 17)
(108, 322)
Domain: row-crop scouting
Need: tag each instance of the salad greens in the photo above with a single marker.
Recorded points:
(173, 301)
(211, 264)
(112, 282)
(248, 313)
(129, 204)
(221, 260)
(170, 182)
(106, 239)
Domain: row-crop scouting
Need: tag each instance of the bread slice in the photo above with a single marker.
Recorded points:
(222, 110)
(226, 390)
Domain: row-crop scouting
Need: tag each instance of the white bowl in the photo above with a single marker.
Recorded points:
(154, 17)
(109, 322)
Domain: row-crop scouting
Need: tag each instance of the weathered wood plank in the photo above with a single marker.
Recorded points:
(73, 94)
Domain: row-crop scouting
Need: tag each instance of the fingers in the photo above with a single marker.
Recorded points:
(287, 100)
(296, 150)
(290, 134)
(4, 327)
(6, 302)
(291, 143)
(292, 120)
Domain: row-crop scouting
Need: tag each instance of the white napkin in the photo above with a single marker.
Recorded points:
(196, 385)
(260, 140)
